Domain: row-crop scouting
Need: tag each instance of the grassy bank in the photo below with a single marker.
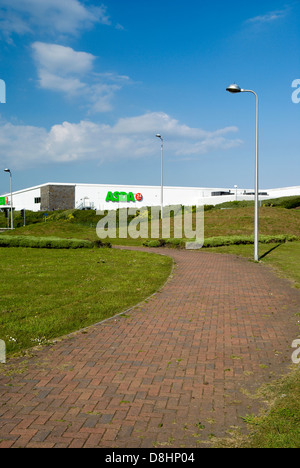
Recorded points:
(218, 222)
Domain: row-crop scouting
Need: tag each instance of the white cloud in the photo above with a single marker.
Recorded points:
(69, 86)
(60, 59)
(130, 138)
(269, 17)
(58, 67)
(62, 69)
(65, 17)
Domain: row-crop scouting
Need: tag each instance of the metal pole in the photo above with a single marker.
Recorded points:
(235, 88)
(256, 214)
(256, 254)
(162, 187)
(161, 183)
(11, 201)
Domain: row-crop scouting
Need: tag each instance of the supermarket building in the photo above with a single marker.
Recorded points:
(60, 196)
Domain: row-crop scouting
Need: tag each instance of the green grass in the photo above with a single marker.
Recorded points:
(59, 229)
(280, 426)
(218, 222)
(49, 293)
(65, 230)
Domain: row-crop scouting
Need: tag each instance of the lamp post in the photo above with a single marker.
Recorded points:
(11, 200)
(162, 187)
(234, 88)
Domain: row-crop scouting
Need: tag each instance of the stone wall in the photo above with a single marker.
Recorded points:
(57, 197)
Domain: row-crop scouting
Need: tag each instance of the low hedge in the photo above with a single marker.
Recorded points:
(240, 240)
(221, 241)
(49, 242)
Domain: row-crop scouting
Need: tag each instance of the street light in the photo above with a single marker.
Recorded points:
(234, 88)
(162, 190)
(236, 187)
(11, 199)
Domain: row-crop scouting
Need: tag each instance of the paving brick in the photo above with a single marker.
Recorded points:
(155, 378)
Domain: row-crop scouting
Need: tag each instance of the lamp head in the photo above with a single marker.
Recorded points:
(6, 170)
(234, 88)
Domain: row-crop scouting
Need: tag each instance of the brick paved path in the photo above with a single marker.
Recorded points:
(170, 373)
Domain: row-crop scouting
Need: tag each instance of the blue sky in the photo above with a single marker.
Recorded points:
(89, 84)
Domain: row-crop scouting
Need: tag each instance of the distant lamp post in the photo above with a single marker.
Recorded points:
(234, 88)
(11, 200)
(162, 187)
(236, 187)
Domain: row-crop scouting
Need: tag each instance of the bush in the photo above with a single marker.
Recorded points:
(284, 202)
(154, 243)
(243, 240)
(222, 241)
(49, 242)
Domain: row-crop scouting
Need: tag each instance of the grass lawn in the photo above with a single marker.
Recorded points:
(280, 428)
(240, 221)
(49, 293)
(65, 229)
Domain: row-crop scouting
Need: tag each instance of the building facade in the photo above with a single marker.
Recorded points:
(58, 196)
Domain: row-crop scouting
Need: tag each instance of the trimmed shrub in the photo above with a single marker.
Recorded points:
(49, 242)
(154, 243)
(222, 241)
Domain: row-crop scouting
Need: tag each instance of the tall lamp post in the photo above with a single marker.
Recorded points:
(236, 187)
(11, 200)
(234, 88)
(162, 187)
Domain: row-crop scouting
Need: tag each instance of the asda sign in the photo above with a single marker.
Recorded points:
(3, 200)
(123, 197)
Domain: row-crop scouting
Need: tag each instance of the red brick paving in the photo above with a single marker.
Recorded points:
(170, 373)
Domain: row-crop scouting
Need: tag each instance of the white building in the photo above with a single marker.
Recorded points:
(55, 196)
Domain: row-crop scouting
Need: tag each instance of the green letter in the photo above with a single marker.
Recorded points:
(109, 197)
(116, 196)
(130, 197)
(123, 197)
